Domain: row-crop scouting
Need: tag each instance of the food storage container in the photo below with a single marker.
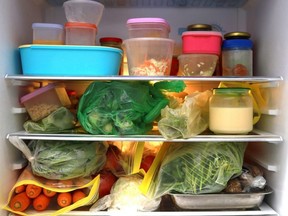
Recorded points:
(80, 33)
(231, 111)
(197, 64)
(204, 42)
(66, 60)
(48, 33)
(148, 27)
(237, 54)
(149, 56)
(86, 11)
(45, 100)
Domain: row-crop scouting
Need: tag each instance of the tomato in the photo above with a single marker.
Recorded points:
(107, 180)
(147, 162)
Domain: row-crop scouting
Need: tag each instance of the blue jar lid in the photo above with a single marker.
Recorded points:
(237, 44)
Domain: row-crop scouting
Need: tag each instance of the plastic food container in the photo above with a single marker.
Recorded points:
(48, 33)
(149, 56)
(86, 11)
(80, 33)
(65, 60)
(148, 27)
(197, 64)
(45, 100)
(204, 42)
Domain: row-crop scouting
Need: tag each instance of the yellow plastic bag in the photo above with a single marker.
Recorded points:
(88, 185)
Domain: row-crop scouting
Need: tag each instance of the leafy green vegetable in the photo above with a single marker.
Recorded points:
(66, 159)
(199, 167)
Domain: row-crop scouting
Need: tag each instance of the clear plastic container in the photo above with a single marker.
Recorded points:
(45, 100)
(231, 111)
(148, 27)
(86, 11)
(149, 56)
(80, 33)
(197, 64)
(48, 33)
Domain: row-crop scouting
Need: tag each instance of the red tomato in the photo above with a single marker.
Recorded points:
(107, 180)
(147, 162)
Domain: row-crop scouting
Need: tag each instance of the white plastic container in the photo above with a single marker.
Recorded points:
(148, 27)
(87, 11)
(48, 33)
(80, 33)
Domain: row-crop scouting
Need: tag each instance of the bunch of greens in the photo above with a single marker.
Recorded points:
(199, 168)
(66, 159)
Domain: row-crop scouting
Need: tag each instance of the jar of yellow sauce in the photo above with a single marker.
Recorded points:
(231, 111)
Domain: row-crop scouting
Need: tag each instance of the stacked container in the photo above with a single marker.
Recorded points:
(48, 33)
(83, 17)
(201, 48)
(149, 49)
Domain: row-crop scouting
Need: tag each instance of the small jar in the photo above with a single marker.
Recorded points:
(231, 111)
(237, 54)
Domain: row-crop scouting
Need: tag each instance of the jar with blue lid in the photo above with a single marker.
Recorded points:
(237, 54)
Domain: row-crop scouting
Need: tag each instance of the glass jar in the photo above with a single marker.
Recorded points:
(231, 111)
(237, 54)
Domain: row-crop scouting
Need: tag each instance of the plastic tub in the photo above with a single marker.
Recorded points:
(48, 33)
(65, 60)
(148, 27)
(80, 33)
(149, 56)
(205, 42)
(197, 64)
(45, 100)
(86, 11)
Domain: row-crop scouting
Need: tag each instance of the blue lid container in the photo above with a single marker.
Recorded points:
(237, 44)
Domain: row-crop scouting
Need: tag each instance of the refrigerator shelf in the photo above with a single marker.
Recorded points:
(255, 136)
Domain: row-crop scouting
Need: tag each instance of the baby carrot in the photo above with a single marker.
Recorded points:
(41, 202)
(49, 193)
(33, 191)
(64, 199)
(20, 189)
(20, 202)
(77, 195)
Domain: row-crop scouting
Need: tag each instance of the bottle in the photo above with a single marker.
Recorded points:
(237, 54)
(231, 111)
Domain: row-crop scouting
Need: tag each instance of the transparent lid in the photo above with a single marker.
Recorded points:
(231, 91)
(134, 22)
(47, 25)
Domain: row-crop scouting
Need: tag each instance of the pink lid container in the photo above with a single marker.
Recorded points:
(201, 42)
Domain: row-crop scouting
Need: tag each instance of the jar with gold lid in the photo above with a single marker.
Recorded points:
(231, 111)
(199, 27)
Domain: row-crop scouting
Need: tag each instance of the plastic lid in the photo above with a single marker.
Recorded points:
(80, 24)
(37, 92)
(237, 43)
(149, 20)
(199, 27)
(47, 25)
(231, 91)
(110, 39)
(202, 33)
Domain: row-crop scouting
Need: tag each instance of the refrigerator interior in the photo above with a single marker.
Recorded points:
(264, 19)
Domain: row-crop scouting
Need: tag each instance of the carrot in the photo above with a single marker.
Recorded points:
(20, 189)
(65, 183)
(64, 199)
(78, 195)
(41, 202)
(49, 193)
(33, 191)
(20, 202)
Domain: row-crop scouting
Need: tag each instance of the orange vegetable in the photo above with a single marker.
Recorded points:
(78, 195)
(64, 199)
(33, 191)
(66, 183)
(20, 202)
(41, 202)
(49, 193)
(20, 189)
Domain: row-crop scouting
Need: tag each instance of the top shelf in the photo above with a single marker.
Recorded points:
(164, 3)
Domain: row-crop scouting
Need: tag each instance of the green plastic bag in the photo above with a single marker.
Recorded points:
(123, 107)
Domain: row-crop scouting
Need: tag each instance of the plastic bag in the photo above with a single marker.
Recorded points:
(125, 196)
(63, 159)
(193, 168)
(59, 121)
(88, 186)
(187, 120)
(123, 107)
